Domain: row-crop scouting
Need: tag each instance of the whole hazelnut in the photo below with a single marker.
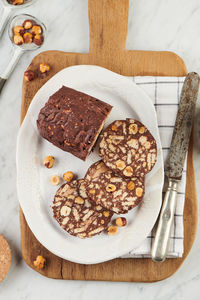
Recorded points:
(49, 162)
(28, 38)
(44, 68)
(39, 262)
(18, 2)
(121, 222)
(18, 40)
(36, 30)
(29, 75)
(38, 39)
(19, 30)
(68, 176)
(112, 230)
(28, 24)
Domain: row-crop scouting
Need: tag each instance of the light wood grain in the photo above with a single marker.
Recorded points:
(108, 21)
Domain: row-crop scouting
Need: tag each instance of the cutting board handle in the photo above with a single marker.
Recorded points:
(108, 21)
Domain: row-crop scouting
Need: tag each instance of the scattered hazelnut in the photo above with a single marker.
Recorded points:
(49, 162)
(18, 2)
(36, 30)
(44, 68)
(55, 180)
(29, 75)
(68, 176)
(112, 230)
(19, 30)
(38, 40)
(28, 24)
(39, 262)
(110, 188)
(121, 221)
(28, 38)
(18, 40)
(131, 185)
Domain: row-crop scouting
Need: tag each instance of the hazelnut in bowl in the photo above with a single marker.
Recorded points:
(17, 3)
(27, 32)
(8, 7)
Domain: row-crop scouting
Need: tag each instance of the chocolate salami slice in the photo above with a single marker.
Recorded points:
(114, 192)
(76, 214)
(128, 148)
(72, 121)
(95, 170)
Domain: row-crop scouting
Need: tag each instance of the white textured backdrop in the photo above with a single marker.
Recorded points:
(153, 25)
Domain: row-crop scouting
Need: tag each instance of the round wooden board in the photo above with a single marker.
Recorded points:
(107, 49)
(5, 258)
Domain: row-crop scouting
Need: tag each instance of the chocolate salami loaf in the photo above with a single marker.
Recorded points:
(72, 121)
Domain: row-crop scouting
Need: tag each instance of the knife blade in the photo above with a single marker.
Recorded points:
(183, 127)
(175, 163)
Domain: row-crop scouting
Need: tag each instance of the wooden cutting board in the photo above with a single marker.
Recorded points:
(108, 20)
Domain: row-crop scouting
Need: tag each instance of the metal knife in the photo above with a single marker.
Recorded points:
(174, 165)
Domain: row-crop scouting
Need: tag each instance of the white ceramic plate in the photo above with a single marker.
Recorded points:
(35, 191)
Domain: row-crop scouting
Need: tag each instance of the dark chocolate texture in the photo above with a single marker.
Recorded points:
(72, 121)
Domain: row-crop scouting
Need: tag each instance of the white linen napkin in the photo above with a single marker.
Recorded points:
(165, 95)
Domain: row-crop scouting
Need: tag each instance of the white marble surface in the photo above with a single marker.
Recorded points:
(155, 25)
